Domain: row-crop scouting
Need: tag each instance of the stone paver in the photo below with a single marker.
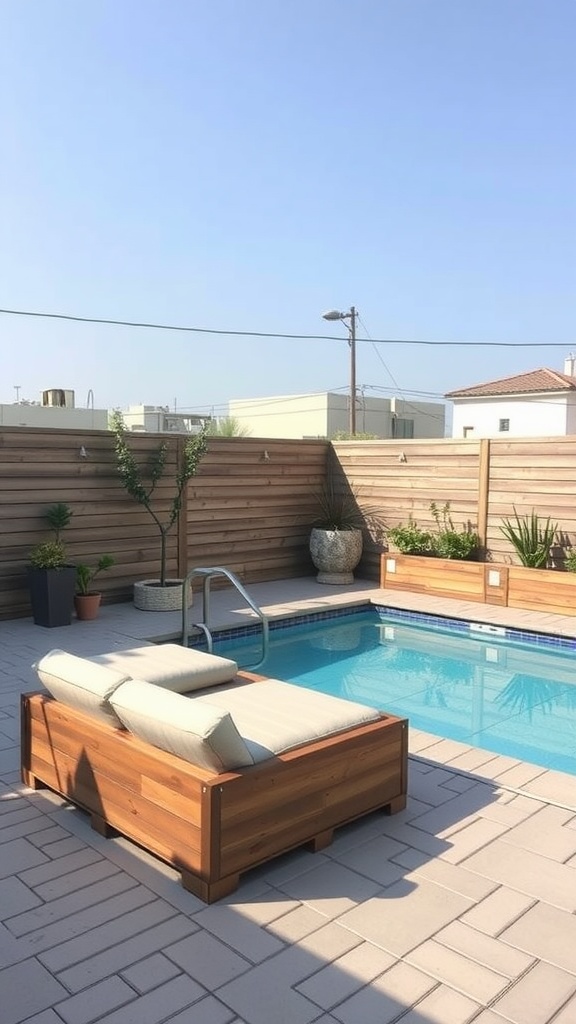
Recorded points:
(460, 909)
(537, 996)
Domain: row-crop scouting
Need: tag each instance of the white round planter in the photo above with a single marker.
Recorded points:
(150, 597)
(335, 554)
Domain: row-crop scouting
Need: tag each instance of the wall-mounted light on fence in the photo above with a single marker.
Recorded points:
(402, 457)
(83, 454)
(265, 455)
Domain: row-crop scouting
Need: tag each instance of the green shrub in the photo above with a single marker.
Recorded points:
(410, 539)
(50, 554)
(450, 542)
(447, 542)
(570, 560)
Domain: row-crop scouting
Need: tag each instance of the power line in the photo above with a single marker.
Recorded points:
(409, 405)
(270, 334)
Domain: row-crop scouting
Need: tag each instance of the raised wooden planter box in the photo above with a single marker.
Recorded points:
(511, 586)
(440, 577)
(542, 590)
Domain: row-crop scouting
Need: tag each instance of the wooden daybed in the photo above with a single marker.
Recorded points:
(213, 825)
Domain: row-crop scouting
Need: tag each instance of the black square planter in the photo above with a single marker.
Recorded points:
(52, 595)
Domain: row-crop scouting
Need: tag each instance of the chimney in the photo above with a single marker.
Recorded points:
(570, 365)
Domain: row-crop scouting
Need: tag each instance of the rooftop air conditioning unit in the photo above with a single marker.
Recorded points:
(59, 397)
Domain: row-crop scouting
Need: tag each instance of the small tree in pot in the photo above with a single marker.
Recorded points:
(140, 482)
(51, 579)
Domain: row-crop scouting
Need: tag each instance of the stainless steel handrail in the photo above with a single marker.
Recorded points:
(207, 575)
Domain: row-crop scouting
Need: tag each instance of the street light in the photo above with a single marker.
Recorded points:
(335, 314)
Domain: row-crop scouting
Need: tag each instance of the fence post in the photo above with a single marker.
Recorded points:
(483, 491)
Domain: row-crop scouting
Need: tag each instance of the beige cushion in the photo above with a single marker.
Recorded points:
(198, 732)
(171, 666)
(80, 683)
(273, 717)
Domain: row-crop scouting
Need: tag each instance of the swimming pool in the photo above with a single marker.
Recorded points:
(506, 692)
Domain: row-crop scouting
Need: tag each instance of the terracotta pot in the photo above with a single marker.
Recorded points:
(87, 605)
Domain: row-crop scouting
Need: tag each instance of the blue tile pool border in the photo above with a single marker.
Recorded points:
(385, 612)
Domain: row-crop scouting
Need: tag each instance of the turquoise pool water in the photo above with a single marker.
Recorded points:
(509, 693)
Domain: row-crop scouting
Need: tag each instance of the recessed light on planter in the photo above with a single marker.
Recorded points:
(390, 565)
(493, 578)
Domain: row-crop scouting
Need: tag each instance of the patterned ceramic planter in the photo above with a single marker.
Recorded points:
(336, 554)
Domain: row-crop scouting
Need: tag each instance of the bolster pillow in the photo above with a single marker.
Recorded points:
(198, 732)
(80, 683)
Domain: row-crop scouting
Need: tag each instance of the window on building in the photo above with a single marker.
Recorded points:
(402, 428)
(503, 426)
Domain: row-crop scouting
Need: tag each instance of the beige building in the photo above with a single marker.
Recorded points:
(324, 414)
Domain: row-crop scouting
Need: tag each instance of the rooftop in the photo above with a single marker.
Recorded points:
(533, 382)
(460, 908)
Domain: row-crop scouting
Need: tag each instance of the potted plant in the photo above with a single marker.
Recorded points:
(336, 539)
(441, 562)
(86, 600)
(51, 579)
(531, 538)
(161, 594)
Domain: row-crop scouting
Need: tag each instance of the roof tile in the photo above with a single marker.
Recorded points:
(533, 382)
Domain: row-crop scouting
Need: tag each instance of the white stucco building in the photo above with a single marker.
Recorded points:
(158, 419)
(326, 413)
(55, 408)
(540, 403)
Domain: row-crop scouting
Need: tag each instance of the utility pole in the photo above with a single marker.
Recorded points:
(335, 314)
(352, 343)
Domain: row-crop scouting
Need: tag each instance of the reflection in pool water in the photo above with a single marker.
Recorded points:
(505, 695)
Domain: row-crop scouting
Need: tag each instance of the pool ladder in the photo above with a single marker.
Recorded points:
(207, 575)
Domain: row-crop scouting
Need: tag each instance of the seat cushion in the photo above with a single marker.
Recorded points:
(170, 666)
(80, 683)
(273, 717)
(199, 732)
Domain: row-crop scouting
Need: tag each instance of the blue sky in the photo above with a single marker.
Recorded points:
(247, 164)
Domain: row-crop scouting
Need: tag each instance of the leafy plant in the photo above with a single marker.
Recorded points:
(570, 560)
(410, 539)
(85, 574)
(531, 538)
(447, 542)
(227, 426)
(344, 510)
(140, 482)
(51, 554)
(450, 542)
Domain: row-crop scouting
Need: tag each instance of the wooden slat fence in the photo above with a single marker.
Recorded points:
(249, 508)
(251, 505)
